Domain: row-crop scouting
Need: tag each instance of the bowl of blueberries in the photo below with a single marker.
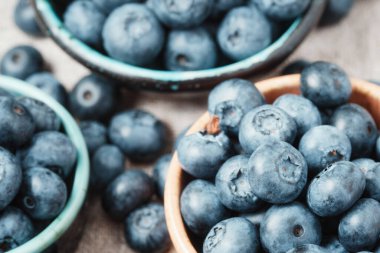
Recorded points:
(178, 45)
(44, 169)
(288, 165)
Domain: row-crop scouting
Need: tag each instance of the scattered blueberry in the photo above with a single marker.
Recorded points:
(160, 171)
(94, 133)
(335, 11)
(283, 10)
(25, 18)
(295, 67)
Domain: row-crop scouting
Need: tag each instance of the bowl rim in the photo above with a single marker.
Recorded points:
(174, 80)
(63, 221)
(173, 187)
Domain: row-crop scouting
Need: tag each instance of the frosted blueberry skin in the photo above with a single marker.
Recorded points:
(359, 229)
(234, 235)
(309, 248)
(16, 228)
(332, 244)
(243, 32)
(201, 154)
(231, 100)
(265, 124)
(25, 18)
(107, 6)
(284, 10)
(160, 171)
(190, 49)
(233, 186)
(94, 133)
(200, 207)
(336, 189)
(132, 34)
(302, 110)
(325, 84)
(336, 11)
(365, 164)
(286, 226)
(324, 145)
(277, 172)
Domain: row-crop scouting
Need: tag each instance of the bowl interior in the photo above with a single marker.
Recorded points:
(364, 93)
(81, 172)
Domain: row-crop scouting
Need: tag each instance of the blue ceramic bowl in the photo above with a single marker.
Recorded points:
(81, 173)
(138, 77)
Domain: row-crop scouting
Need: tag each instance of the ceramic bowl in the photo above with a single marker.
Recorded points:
(364, 93)
(144, 78)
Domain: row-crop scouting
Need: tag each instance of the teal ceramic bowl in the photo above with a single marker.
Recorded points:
(143, 78)
(81, 173)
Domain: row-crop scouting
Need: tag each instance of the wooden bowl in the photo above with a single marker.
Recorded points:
(364, 93)
(143, 78)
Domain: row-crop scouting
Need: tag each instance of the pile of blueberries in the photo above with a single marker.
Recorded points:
(180, 35)
(298, 175)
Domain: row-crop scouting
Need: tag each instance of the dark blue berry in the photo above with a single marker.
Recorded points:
(160, 171)
(336, 11)
(94, 133)
(283, 10)
(25, 18)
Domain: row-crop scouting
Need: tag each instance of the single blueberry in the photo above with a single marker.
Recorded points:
(16, 124)
(231, 100)
(43, 193)
(232, 185)
(325, 84)
(359, 229)
(309, 248)
(25, 18)
(202, 154)
(264, 124)
(107, 163)
(10, 178)
(302, 110)
(234, 235)
(372, 176)
(200, 206)
(324, 145)
(126, 192)
(21, 61)
(15, 228)
(107, 6)
(277, 172)
(160, 171)
(332, 244)
(336, 11)
(359, 126)
(283, 10)
(139, 134)
(46, 82)
(287, 226)
(145, 229)
(52, 150)
(295, 67)
(243, 32)
(190, 49)
(94, 133)
(132, 34)
(335, 189)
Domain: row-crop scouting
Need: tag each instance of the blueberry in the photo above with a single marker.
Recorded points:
(10, 178)
(139, 134)
(309, 248)
(126, 192)
(44, 117)
(107, 6)
(365, 164)
(182, 13)
(106, 164)
(132, 34)
(264, 124)
(25, 18)
(358, 125)
(283, 10)
(21, 61)
(49, 84)
(372, 176)
(302, 110)
(15, 228)
(324, 145)
(332, 244)
(231, 100)
(145, 229)
(190, 49)
(200, 207)
(234, 235)
(325, 84)
(93, 98)
(295, 67)
(277, 172)
(243, 32)
(335, 11)
(160, 171)
(233, 187)
(335, 189)
(202, 154)
(52, 150)
(359, 229)
(287, 226)
(94, 133)
(85, 21)
(16, 123)
(43, 193)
